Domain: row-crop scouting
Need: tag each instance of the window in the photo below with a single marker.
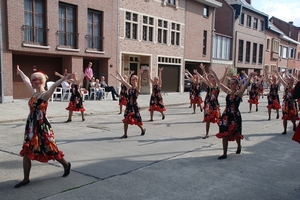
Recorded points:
(292, 52)
(268, 44)
(254, 53)
(172, 2)
(241, 50)
(222, 47)
(34, 22)
(275, 46)
(242, 16)
(284, 52)
(175, 34)
(248, 21)
(206, 11)
(94, 33)
(162, 33)
(148, 28)
(255, 23)
(248, 46)
(204, 42)
(261, 25)
(280, 50)
(260, 58)
(131, 25)
(299, 55)
(67, 35)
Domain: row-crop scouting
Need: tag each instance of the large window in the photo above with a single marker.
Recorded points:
(131, 25)
(261, 25)
(268, 44)
(204, 43)
(255, 23)
(254, 53)
(206, 11)
(241, 21)
(175, 34)
(173, 2)
(241, 50)
(280, 50)
(34, 22)
(221, 48)
(248, 47)
(95, 33)
(260, 58)
(67, 35)
(162, 32)
(275, 46)
(148, 28)
(248, 21)
(284, 52)
(292, 53)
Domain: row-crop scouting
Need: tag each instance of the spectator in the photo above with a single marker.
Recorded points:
(108, 88)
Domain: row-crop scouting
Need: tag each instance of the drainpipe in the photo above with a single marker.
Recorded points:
(1, 58)
(118, 41)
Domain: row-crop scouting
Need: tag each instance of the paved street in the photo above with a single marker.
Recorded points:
(171, 161)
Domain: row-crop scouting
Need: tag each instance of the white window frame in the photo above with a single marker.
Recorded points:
(162, 31)
(131, 22)
(175, 33)
(149, 26)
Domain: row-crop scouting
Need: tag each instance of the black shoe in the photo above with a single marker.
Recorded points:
(238, 151)
(22, 183)
(284, 133)
(119, 113)
(143, 132)
(150, 120)
(163, 117)
(69, 120)
(222, 157)
(124, 136)
(277, 117)
(205, 137)
(67, 171)
(256, 109)
(83, 119)
(294, 128)
(115, 99)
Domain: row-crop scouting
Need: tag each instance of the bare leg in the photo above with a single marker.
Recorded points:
(125, 130)
(82, 115)
(26, 171)
(277, 113)
(142, 129)
(207, 130)
(294, 125)
(225, 147)
(70, 116)
(250, 107)
(269, 113)
(162, 115)
(194, 108)
(151, 115)
(120, 109)
(239, 147)
(284, 126)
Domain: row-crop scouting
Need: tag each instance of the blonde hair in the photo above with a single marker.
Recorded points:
(43, 77)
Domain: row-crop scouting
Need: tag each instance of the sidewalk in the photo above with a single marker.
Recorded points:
(18, 109)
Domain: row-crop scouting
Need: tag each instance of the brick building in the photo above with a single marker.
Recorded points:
(53, 36)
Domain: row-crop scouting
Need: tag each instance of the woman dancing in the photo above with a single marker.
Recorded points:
(230, 126)
(132, 114)
(273, 97)
(76, 101)
(39, 141)
(253, 94)
(195, 91)
(289, 107)
(156, 100)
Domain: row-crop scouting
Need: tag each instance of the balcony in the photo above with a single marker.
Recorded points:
(67, 39)
(34, 35)
(94, 43)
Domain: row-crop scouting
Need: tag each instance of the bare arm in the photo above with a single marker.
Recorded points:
(149, 75)
(26, 80)
(221, 85)
(160, 75)
(222, 80)
(139, 81)
(281, 78)
(242, 89)
(122, 80)
(117, 78)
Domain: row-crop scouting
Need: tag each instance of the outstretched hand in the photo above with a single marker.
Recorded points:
(18, 70)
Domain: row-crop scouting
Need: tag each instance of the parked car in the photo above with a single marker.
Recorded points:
(187, 84)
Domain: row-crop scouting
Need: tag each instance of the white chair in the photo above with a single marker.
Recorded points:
(57, 91)
(84, 93)
(67, 90)
(106, 95)
(93, 91)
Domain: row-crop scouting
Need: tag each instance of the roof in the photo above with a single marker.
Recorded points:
(245, 4)
(212, 3)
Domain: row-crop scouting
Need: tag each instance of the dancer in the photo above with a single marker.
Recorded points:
(273, 97)
(253, 94)
(230, 126)
(123, 92)
(156, 100)
(76, 101)
(211, 103)
(289, 107)
(132, 114)
(39, 141)
(195, 95)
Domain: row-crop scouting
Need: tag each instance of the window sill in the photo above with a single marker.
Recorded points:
(67, 49)
(35, 46)
(94, 51)
(204, 16)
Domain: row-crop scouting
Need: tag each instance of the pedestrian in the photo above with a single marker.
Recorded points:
(39, 141)
(156, 100)
(76, 100)
(211, 103)
(273, 96)
(289, 106)
(132, 114)
(230, 126)
(89, 75)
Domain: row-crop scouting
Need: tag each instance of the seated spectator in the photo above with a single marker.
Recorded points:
(108, 88)
(99, 90)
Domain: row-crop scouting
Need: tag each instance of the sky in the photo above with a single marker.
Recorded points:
(286, 10)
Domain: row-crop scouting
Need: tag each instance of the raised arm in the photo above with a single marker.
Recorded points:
(221, 85)
(117, 78)
(160, 75)
(224, 77)
(242, 89)
(25, 79)
(281, 78)
(149, 75)
(122, 80)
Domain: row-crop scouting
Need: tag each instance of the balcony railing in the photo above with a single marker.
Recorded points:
(94, 42)
(67, 39)
(35, 35)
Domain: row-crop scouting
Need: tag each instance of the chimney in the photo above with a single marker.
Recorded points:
(291, 23)
(249, 1)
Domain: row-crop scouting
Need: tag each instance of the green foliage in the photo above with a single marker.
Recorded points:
(233, 71)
